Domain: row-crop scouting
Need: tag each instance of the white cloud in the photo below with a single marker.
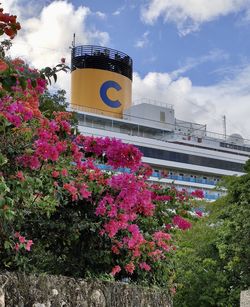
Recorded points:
(100, 15)
(119, 11)
(190, 63)
(10, 6)
(188, 15)
(46, 36)
(143, 41)
(201, 104)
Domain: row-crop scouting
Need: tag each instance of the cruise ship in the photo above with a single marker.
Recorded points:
(180, 152)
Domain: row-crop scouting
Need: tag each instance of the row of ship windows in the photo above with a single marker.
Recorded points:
(190, 159)
(170, 175)
(210, 195)
(238, 147)
(185, 177)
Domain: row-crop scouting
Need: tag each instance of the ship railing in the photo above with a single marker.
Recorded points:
(152, 102)
(91, 50)
(165, 132)
(210, 195)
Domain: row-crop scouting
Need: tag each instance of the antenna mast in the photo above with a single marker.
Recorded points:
(224, 126)
(74, 41)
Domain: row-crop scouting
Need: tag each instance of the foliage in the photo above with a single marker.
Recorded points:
(49, 73)
(55, 102)
(59, 212)
(50, 103)
(213, 261)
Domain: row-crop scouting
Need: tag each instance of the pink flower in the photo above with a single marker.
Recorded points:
(145, 170)
(65, 126)
(72, 190)
(160, 235)
(145, 266)
(115, 250)
(22, 239)
(181, 222)
(102, 232)
(64, 172)
(53, 126)
(101, 208)
(130, 267)
(17, 234)
(116, 269)
(173, 290)
(3, 66)
(136, 253)
(123, 155)
(156, 254)
(29, 161)
(164, 198)
(84, 192)
(199, 213)
(28, 245)
(198, 194)
(20, 176)
(55, 174)
(112, 227)
(17, 247)
(34, 163)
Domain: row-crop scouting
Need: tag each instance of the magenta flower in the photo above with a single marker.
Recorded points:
(181, 222)
(198, 194)
(199, 213)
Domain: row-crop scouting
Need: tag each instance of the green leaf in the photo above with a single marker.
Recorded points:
(55, 77)
(23, 83)
(47, 70)
(3, 187)
(33, 83)
(3, 159)
(7, 244)
(8, 82)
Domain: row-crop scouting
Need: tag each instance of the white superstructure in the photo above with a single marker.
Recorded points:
(179, 152)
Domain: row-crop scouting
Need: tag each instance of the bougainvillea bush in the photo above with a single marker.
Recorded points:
(59, 211)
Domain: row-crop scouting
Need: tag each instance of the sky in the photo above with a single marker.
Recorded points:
(192, 54)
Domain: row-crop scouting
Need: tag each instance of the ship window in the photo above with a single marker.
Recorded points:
(190, 159)
(162, 117)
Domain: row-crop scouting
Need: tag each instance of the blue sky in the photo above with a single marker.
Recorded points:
(160, 47)
(193, 54)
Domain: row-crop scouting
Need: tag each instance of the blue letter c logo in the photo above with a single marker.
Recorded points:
(103, 93)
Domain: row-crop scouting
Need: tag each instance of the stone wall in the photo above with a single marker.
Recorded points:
(20, 290)
(245, 298)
